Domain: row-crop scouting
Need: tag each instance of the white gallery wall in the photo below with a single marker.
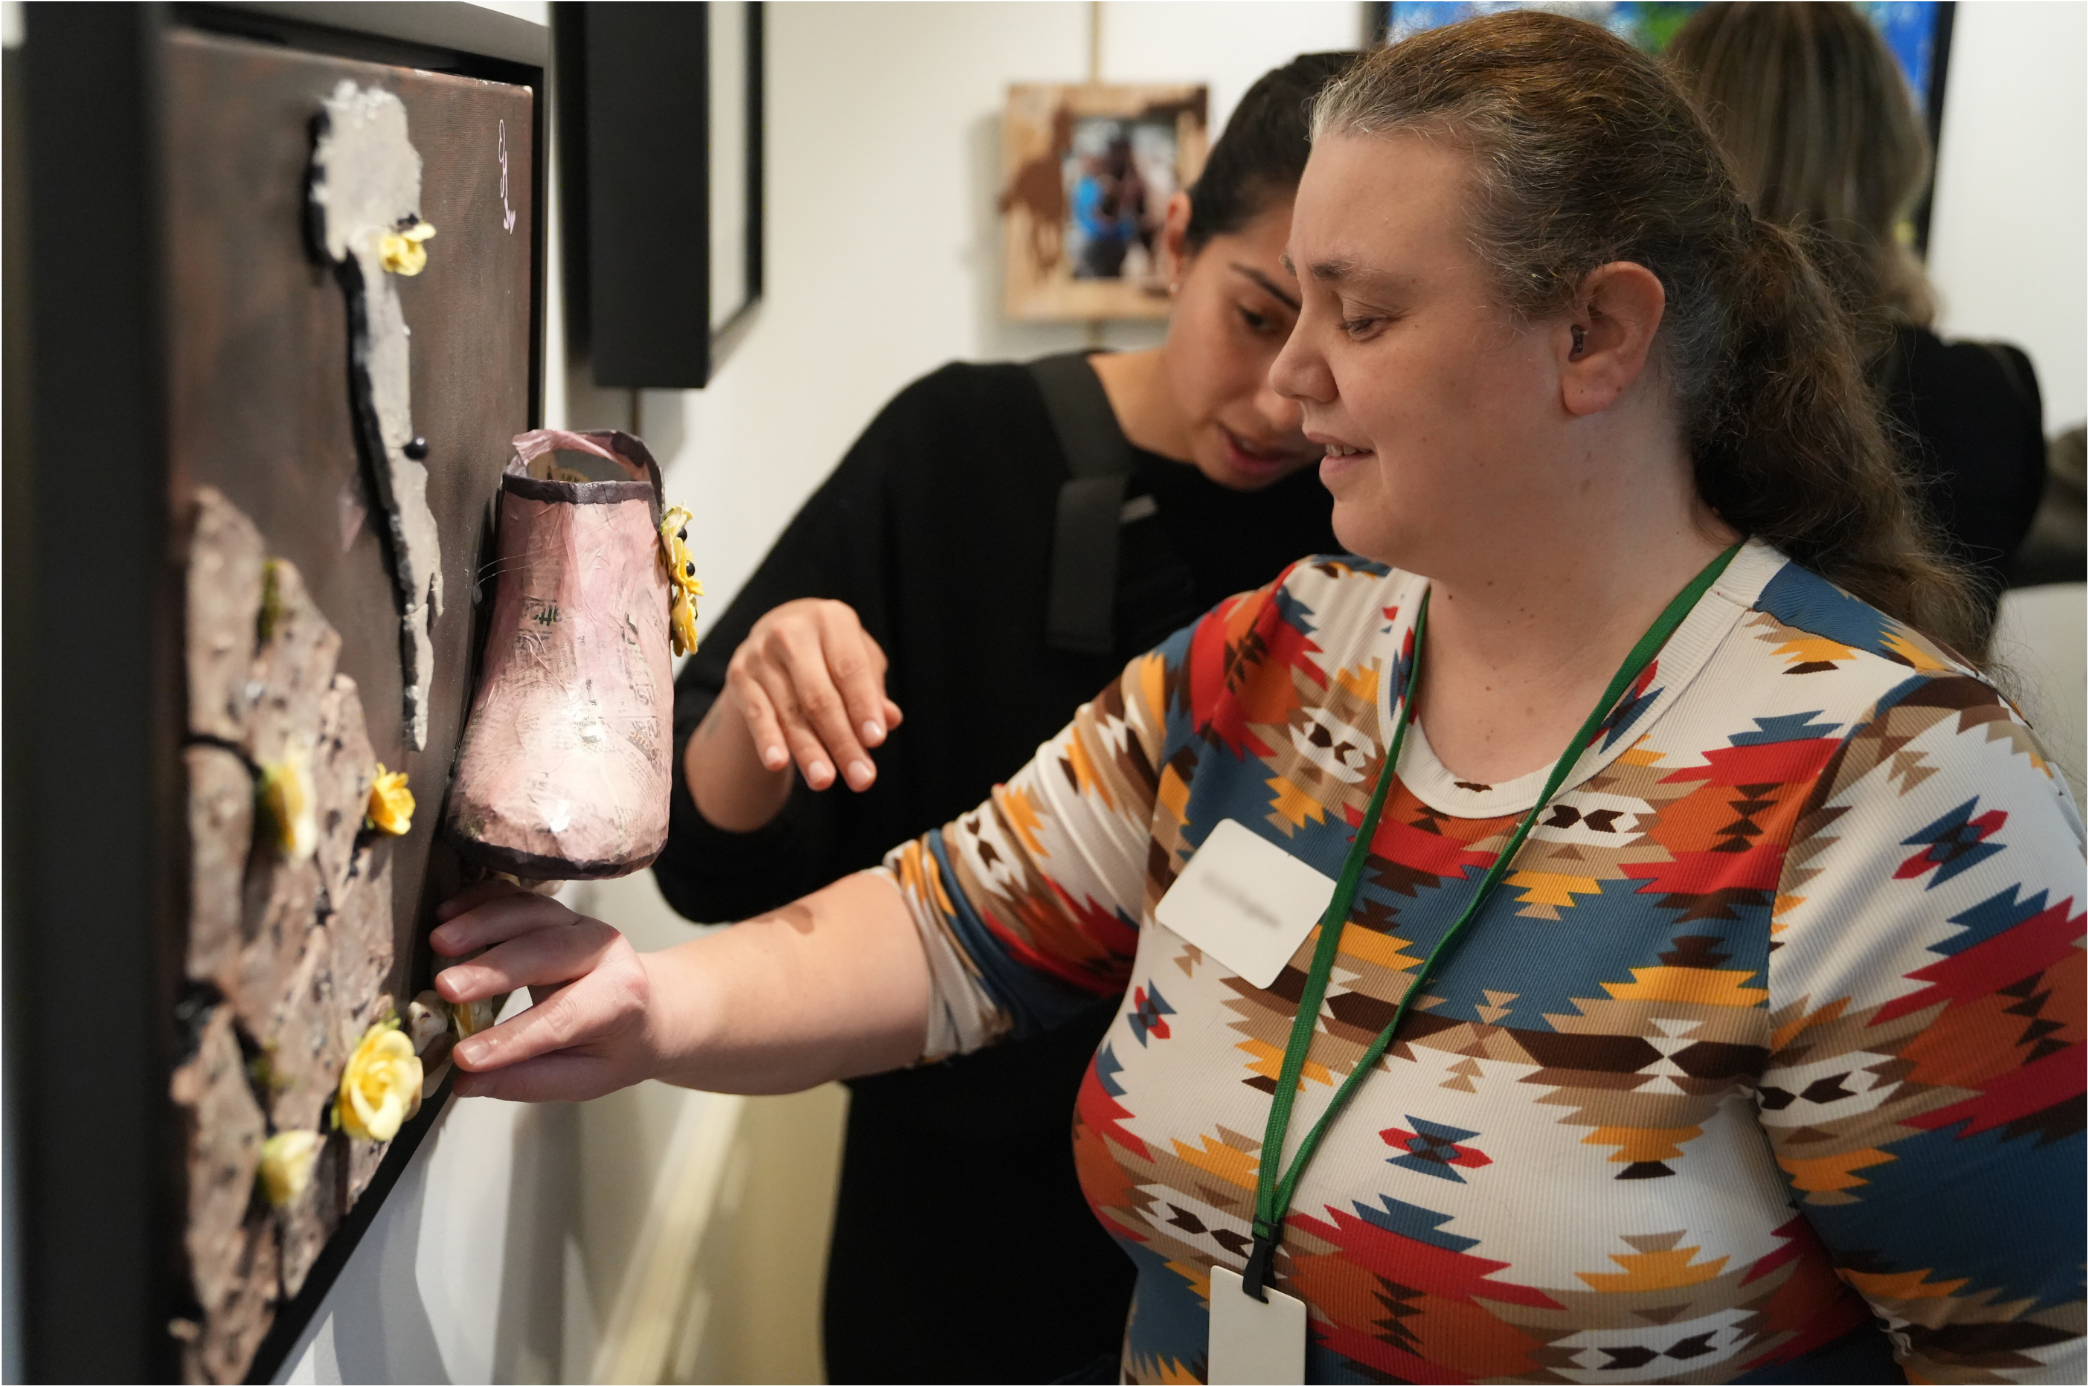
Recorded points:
(2008, 241)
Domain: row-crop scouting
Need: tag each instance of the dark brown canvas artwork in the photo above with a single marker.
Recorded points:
(329, 490)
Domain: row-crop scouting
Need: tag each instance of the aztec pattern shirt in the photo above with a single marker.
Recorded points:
(1773, 1031)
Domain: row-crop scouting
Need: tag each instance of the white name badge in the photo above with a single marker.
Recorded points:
(1246, 902)
(1251, 1341)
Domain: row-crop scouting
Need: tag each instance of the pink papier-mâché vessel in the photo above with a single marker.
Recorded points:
(565, 768)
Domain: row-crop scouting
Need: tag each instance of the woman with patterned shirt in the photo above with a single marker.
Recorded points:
(1689, 1018)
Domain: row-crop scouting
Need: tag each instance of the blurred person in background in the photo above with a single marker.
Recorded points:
(926, 564)
(1108, 205)
(1821, 130)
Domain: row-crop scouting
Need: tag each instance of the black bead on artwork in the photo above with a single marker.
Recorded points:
(417, 449)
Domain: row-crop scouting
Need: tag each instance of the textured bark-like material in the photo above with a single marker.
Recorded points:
(564, 772)
(342, 767)
(223, 1128)
(280, 910)
(305, 1223)
(292, 669)
(224, 606)
(300, 949)
(361, 926)
(221, 826)
(233, 1331)
(363, 1158)
(303, 1041)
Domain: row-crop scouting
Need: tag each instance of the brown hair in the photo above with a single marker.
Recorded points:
(1821, 134)
(1585, 152)
(1261, 155)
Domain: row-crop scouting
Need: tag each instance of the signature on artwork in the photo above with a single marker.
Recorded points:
(507, 213)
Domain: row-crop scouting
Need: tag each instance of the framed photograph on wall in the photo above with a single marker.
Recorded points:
(1086, 174)
(660, 131)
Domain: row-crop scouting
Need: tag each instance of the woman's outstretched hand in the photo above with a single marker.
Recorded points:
(809, 680)
(587, 1033)
(805, 686)
(831, 986)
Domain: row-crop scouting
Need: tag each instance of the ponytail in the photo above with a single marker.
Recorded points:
(1585, 153)
(1792, 449)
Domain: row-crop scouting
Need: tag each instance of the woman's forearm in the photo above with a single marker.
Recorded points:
(831, 986)
(732, 789)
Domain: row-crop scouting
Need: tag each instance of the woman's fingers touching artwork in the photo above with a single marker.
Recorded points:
(810, 682)
(585, 1034)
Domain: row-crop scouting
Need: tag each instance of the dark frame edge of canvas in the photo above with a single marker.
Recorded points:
(88, 908)
(92, 876)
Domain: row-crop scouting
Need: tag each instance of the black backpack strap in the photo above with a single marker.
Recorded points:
(1080, 617)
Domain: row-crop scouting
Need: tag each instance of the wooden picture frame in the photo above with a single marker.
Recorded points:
(175, 334)
(661, 131)
(1086, 172)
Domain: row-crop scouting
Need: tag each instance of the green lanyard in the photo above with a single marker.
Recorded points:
(1272, 1195)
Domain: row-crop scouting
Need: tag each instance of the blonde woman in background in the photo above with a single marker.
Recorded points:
(1823, 137)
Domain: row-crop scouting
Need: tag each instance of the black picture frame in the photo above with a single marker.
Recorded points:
(634, 131)
(95, 864)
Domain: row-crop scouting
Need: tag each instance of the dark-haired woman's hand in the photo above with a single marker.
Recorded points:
(805, 686)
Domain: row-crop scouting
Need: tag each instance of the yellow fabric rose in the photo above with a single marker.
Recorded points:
(286, 1165)
(682, 587)
(390, 809)
(381, 1086)
(288, 798)
(402, 251)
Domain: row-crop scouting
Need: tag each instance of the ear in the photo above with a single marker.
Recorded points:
(1604, 342)
(1174, 238)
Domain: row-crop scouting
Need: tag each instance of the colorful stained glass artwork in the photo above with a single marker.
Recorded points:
(1909, 27)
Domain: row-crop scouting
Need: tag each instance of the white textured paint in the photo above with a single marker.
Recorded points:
(2008, 242)
(507, 213)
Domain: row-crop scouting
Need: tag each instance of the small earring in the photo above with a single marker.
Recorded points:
(1580, 342)
(1174, 288)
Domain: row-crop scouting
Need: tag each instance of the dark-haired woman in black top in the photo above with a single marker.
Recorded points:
(938, 555)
